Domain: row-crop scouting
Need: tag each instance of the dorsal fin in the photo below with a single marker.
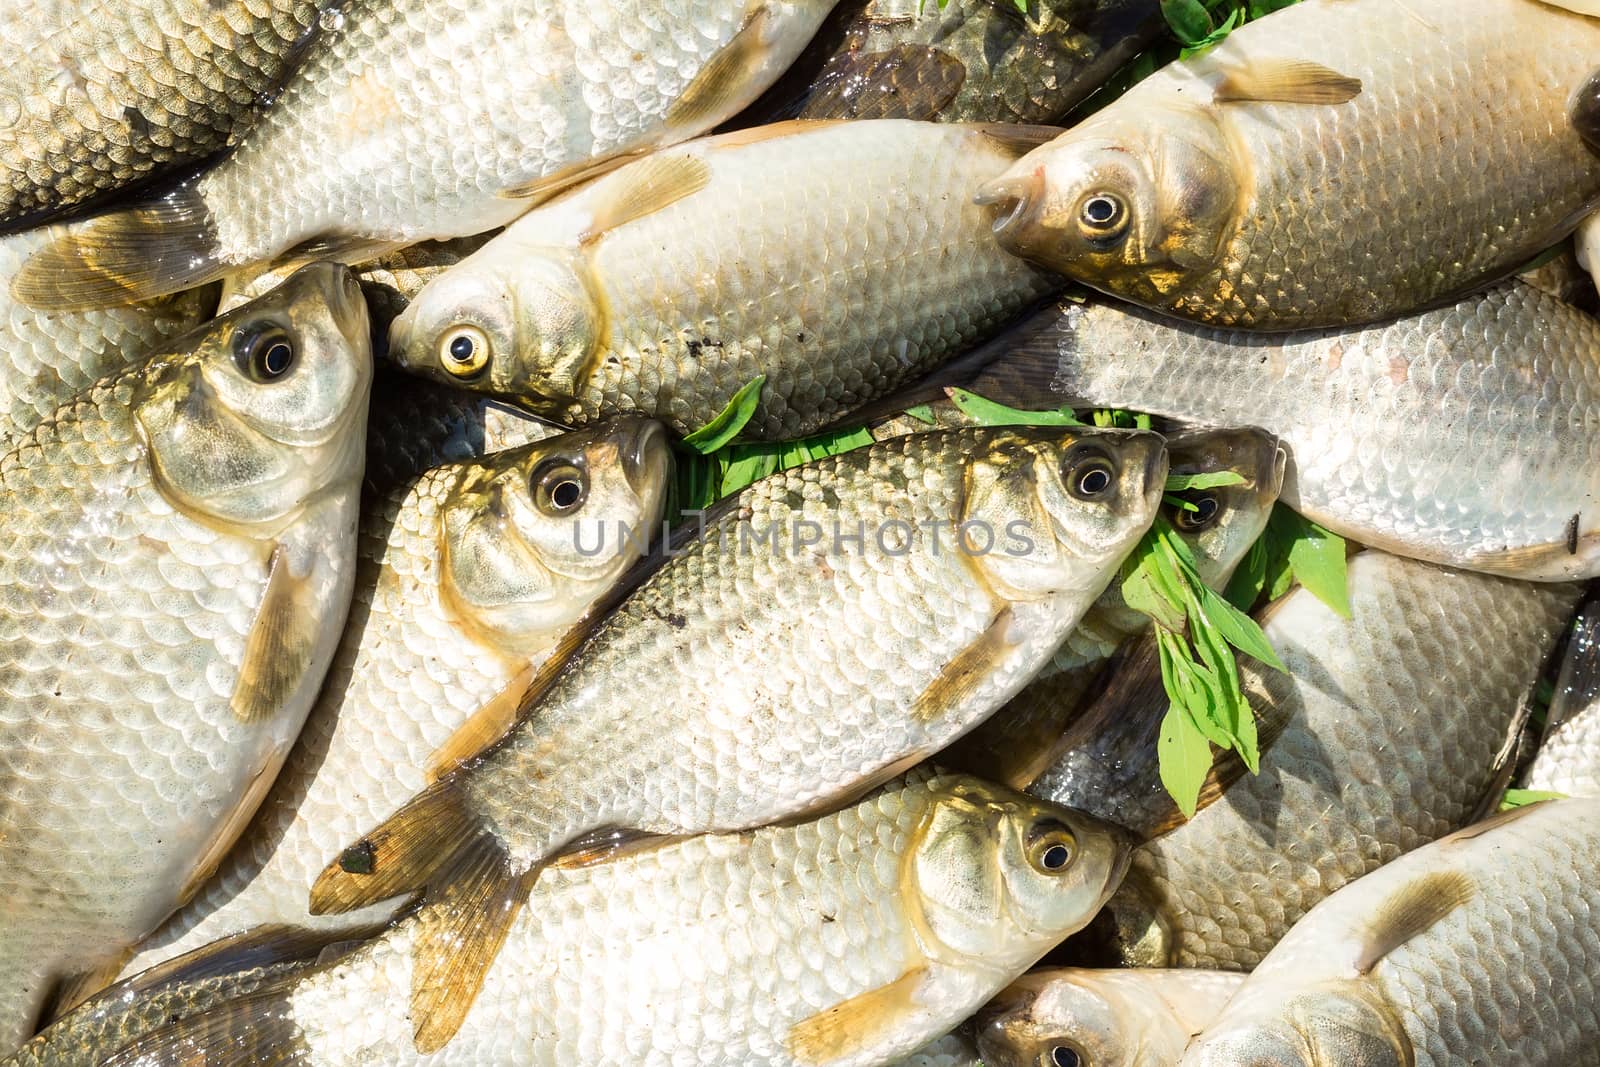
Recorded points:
(1412, 911)
(1284, 81)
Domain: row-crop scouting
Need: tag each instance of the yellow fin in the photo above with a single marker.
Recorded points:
(549, 186)
(713, 94)
(612, 843)
(770, 132)
(1493, 822)
(277, 652)
(73, 991)
(1017, 140)
(849, 1029)
(644, 188)
(1412, 911)
(967, 671)
(1589, 8)
(486, 726)
(1564, 558)
(1284, 81)
(225, 833)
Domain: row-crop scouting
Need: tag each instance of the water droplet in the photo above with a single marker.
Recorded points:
(331, 20)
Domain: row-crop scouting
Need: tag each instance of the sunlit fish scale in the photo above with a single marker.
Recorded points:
(1568, 759)
(1480, 948)
(176, 568)
(890, 921)
(763, 672)
(965, 61)
(1271, 182)
(1424, 682)
(99, 94)
(431, 119)
(466, 579)
(839, 260)
(46, 358)
(1464, 435)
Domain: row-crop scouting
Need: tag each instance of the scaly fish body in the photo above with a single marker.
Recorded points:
(46, 359)
(814, 639)
(1269, 183)
(1387, 730)
(854, 261)
(1480, 948)
(1568, 760)
(413, 120)
(844, 942)
(176, 568)
(456, 605)
(1461, 435)
(967, 61)
(97, 95)
(1138, 1017)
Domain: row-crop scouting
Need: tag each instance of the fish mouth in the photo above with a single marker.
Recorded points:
(646, 459)
(1014, 196)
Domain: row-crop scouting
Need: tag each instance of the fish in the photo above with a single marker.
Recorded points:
(952, 1050)
(435, 121)
(864, 266)
(1458, 436)
(832, 625)
(1077, 1017)
(47, 359)
(892, 920)
(1259, 185)
(1428, 680)
(1015, 744)
(176, 569)
(1561, 273)
(965, 61)
(97, 96)
(1568, 757)
(466, 579)
(1475, 949)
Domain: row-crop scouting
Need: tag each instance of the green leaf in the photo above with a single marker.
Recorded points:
(1521, 798)
(1317, 559)
(1190, 21)
(1249, 579)
(1177, 483)
(923, 414)
(1292, 549)
(730, 420)
(1185, 759)
(988, 413)
(1239, 629)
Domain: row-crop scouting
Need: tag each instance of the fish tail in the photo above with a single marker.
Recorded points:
(472, 891)
(161, 246)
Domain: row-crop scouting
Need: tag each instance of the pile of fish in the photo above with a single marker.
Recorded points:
(370, 694)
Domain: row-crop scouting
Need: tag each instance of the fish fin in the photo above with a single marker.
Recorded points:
(908, 81)
(648, 186)
(1584, 117)
(1559, 559)
(1506, 760)
(1493, 822)
(472, 894)
(278, 650)
(341, 248)
(1017, 140)
(609, 844)
(713, 93)
(549, 186)
(1415, 909)
(486, 726)
(1588, 8)
(259, 946)
(256, 1030)
(1284, 81)
(225, 833)
(125, 257)
(72, 991)
(961, 677)
(849, 1029)
(773, 131)
(1578, 680)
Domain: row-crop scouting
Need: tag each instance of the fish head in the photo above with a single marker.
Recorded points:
(1136, 208)
(1339, 1024)
(531, 537)
(260, 410)
(1002, 877)
(526, 330)
(1221, 522)
(1053, 510)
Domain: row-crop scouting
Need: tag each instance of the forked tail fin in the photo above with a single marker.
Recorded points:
(162, 246)
(472, 892)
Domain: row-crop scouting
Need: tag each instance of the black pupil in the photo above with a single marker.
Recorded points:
(564, 494)
(461, 349)
(1062, 1056)
(1095, 481)
(277, 358)
(1100, 210)
(1205, 509)
(1055, 858)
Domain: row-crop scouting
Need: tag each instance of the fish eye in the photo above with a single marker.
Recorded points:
(1206, 510)
(1089, 475)
(1103, 216)
(1051, 847)
(1063, 1056)
(264, 354)
(559, 488)
(464, 350)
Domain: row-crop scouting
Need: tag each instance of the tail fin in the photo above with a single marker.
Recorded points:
(472, 893)
(163, 246)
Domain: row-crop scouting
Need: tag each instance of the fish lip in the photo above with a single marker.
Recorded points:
(640, 441)
(1020, 191)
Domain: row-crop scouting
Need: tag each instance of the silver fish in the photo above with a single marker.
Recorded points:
(1568, 760)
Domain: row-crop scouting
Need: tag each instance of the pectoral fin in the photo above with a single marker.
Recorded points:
(964, 674)
(1410, 912)
(279, 647)
(486, 726)
(715, 92)
(73, 991)
(644, 188)
(849, 1029)
(1017, 140)
(1284, 81)
(1590, 8)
